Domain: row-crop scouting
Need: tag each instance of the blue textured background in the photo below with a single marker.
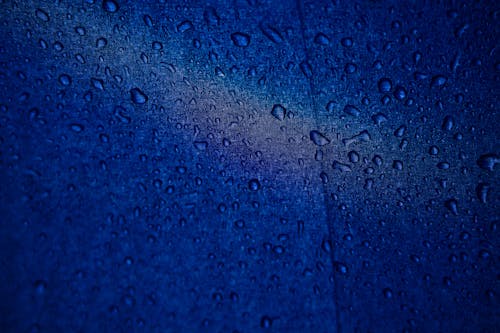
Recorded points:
(238, 166)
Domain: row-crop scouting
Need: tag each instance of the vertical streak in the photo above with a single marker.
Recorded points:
(331, 219)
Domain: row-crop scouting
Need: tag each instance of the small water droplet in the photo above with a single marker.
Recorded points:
(438, 81)
(76, 128)
(346, 42)
(306, 69)
(321, 39)
(452, 205)
(266, 322)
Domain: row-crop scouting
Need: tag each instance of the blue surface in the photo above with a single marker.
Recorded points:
(243, 166)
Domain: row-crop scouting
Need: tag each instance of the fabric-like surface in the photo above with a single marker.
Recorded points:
(248, 165)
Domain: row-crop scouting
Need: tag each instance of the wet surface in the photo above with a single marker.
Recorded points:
(253, 165)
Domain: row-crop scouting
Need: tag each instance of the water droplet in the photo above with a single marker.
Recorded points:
(397, 165)
(452, 205)
(350, 68)
(254, 184)
(65, 79)
(324, 177)
(340, 267)
(240, 39)
(278, 112)
(363, 136)
(443, 165)
(346, 42)
(482, 191)
(488, 161)
(40, 286)
(271, 33)
(438, 81)
(101, 42)
(400, 131)
(352, 110)
(353, 156)
(77, 128)
(97, 83)
(384, 85)
(377, 160)
(81, 31)
(200, 145)
(137, 96)
(157, 46)
(110, 6)
(321, 39)
(400, 93)
(42, 15)
(448, 123)
(318, 138)
(211, 17)
(330, 106)
(184, 26)
(266, 322)
(379, 118)
(306, 69)
(342, 167)
(148, 21)
(433, 150)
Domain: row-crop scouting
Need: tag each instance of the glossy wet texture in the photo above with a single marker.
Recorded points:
(242, 166)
